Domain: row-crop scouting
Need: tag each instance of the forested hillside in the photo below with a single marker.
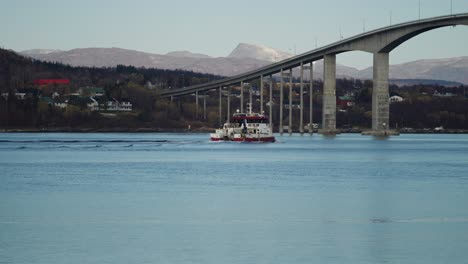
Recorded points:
(140, 86)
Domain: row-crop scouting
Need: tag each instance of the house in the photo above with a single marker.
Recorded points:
(19, 96)
(92, 104)
(396, 99)
(60, 103)
(98, 104)
(112, 105)
(115, 105)
(125, 106)
(437, 94)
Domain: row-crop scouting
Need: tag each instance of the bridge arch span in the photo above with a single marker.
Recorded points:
(388, 38)
(379, 42)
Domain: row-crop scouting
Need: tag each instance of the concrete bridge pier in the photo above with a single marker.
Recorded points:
(329, 96)
(311, 93)
(380, 97)
(228, 108)
(220, 110)
(281, 103)
(290, 101)
(301, 111)
(196, 104)
(261, 94)
(250, 97)
(270, 114)
(204, 106)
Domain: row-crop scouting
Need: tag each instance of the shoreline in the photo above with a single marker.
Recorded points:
(200, 130)
(103, 130)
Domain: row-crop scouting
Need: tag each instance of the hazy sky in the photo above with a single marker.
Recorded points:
(215, 27)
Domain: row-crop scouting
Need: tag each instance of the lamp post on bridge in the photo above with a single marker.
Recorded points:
(419, 10)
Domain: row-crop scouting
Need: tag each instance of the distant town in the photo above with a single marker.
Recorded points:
(92, 97)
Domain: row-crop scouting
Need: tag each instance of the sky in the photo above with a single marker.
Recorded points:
(215, 27)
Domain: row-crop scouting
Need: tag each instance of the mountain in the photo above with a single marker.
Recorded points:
(107, 57)
(187, 54)
(449, 69)
(341, 70)
(32, 52)
(258, 52)
(412, 82)
(243, 58)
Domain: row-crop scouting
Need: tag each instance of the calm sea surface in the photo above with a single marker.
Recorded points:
(178, 198)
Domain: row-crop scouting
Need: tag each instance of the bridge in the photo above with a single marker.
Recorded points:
(379, 42)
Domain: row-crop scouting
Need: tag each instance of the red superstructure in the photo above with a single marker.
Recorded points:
(51, 81)
(248, 117)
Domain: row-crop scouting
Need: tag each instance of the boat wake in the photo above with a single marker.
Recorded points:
(86, 141)
(111, 144)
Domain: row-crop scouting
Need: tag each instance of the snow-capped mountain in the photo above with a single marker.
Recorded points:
(187, 54)
(32, 52)
(243, 58)
(449, 69)
(258, 52)
(108, 57)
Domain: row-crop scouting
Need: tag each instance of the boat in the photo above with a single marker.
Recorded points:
(245, 127)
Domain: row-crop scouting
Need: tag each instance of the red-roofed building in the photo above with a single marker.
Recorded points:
(51, 81)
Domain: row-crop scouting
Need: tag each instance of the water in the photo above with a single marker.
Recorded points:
(178, 198)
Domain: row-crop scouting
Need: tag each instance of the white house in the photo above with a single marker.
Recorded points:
(115, 105)
(448, 94)
(93, 105)
(61, 103)
(396, 99)
(19, 96)
(112, 105)
(125, 106)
